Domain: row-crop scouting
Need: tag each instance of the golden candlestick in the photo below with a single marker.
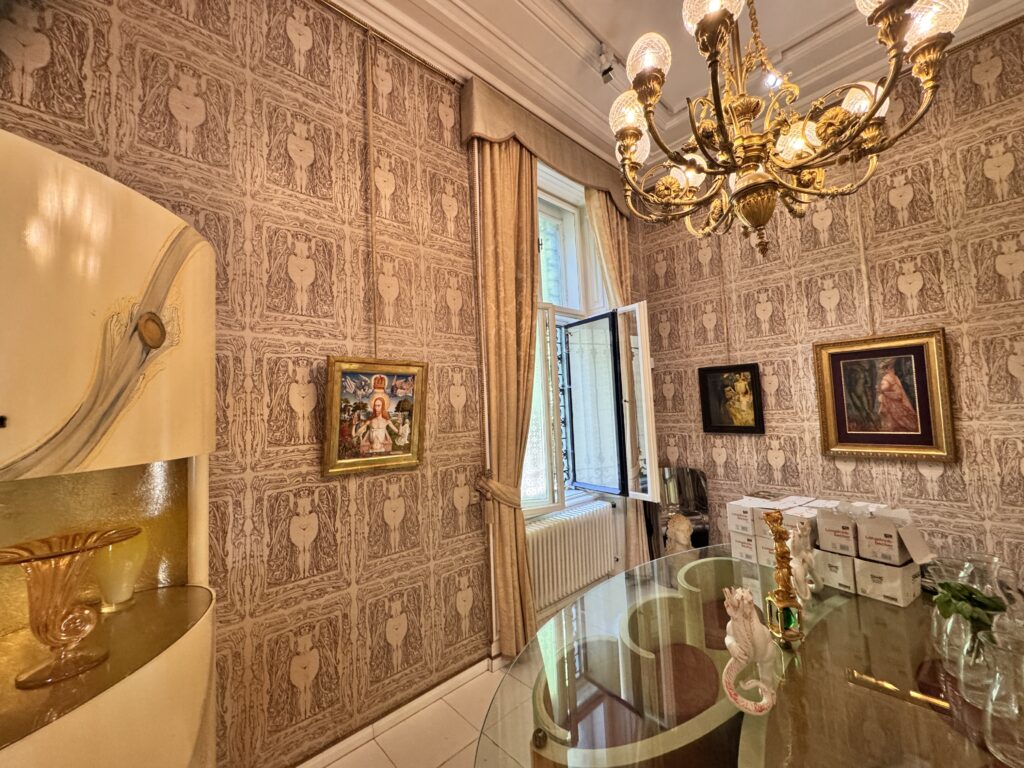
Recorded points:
(783, 610)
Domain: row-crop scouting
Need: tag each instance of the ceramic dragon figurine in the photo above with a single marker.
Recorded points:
(749, 642)
(804, 582)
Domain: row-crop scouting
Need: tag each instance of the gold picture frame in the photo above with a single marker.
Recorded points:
(375, 414)
(885, 396)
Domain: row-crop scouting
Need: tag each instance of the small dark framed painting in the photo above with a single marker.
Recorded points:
(730, 399)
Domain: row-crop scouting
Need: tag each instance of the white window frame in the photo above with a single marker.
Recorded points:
(555, 193)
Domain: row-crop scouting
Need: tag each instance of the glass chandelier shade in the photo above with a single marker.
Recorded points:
(800, 140)
(626, 112)
(858, 102)
(641, 153)
(867, 7)
(934, 17)
(686, 176)
(695, 10)
(651, 51)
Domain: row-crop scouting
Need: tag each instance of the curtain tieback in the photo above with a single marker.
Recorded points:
(493, 490)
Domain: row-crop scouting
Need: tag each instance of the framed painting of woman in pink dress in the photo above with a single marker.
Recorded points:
(885, 396)
(374, 414)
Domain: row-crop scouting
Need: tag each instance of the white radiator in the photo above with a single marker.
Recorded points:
(570, 550)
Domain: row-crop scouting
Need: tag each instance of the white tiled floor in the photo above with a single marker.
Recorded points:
(444, 734)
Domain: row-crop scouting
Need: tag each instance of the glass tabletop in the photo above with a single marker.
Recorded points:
(630, 675)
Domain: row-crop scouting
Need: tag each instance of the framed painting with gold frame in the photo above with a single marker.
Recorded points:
(885, 396)
(375, 414)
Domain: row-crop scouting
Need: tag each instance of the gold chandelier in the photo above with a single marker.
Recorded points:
(747, 152)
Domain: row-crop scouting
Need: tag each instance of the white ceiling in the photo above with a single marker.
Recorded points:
(544, 53)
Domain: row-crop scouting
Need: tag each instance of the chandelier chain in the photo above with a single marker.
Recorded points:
(758, 43)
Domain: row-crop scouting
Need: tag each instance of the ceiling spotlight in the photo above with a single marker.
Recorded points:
(607, 65)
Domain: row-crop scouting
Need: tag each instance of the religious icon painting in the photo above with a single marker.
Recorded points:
(730, 399)
(375, 413)
(885, 396)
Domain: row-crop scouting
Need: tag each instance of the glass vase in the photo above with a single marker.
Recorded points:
(981, 571)
(1004, 708)
(942, 569)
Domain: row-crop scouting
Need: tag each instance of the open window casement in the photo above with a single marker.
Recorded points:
(611, 429)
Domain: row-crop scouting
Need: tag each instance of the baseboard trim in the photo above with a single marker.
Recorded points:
(359, 738)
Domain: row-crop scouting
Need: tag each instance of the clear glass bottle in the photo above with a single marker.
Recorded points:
(1004, 708)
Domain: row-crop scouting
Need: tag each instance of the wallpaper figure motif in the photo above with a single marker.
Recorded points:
(393, 514)
(999, 267)
(301, 273)
(1004, 361)
(460, 513)
(301, 525)
(396, 633)
(911, 285)
(183, 111)
(992, 168)
(303, 672)
(300, 152)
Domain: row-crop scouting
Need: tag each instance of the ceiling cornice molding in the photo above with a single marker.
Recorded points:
(460, 39)
(428, 28)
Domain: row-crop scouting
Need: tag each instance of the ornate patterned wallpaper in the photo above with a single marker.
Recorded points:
(936, 239)
(250, 120)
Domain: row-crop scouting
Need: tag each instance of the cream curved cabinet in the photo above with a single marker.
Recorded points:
(106, 322)
(151, 703)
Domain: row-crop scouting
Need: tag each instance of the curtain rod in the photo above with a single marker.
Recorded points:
(389, 40)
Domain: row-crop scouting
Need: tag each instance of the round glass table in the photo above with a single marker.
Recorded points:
(630, 675)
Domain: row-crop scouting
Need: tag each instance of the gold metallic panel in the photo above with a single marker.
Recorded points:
(153, 497)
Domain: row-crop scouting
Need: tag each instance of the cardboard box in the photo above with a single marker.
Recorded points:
(836, 571)
(896, 585)
(879, 539)
(739, 513)
(822, 504)
(738, 518)
(765, 551)
(863, 508)
(743, 547)
(837, 532)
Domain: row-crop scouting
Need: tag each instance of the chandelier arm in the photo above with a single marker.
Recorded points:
(926, 102)
(713, 164)
(793, 204)
(652, 128)
(716, 102)
(840, 191)
(632, 186)
(833, 150)
(710, 226)
(636, 211)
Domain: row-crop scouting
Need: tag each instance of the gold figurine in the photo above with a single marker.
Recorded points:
(785, 616)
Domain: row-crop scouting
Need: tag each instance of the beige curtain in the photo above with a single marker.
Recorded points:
(611, 233)
(509, 277)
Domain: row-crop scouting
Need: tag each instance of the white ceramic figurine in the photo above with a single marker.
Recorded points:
(802, 562)
(749, 642)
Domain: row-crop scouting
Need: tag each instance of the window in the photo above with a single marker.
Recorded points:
(581, 436)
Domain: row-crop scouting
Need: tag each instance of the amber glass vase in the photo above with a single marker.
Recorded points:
(54, 567)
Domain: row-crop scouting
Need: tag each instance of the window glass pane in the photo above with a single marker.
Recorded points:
(536, 483)
(552, 289)
(595, 406)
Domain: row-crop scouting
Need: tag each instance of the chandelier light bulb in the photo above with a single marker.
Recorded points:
(626, 112)
(640, 153)
(800, 139)
(688, 177)
(649, 52)
(858, 102)
(934, 17)
(695, 10)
